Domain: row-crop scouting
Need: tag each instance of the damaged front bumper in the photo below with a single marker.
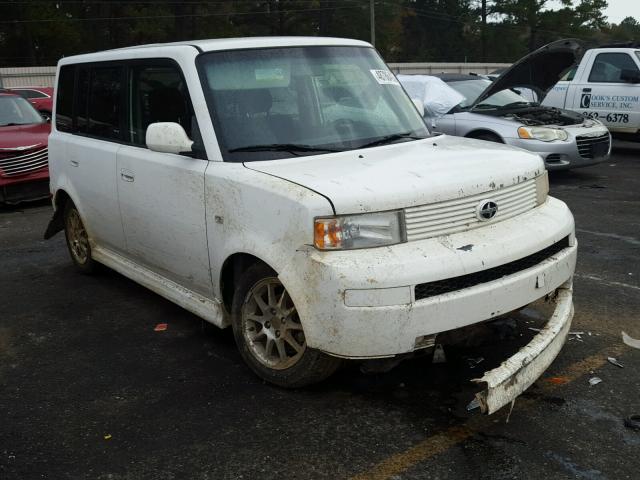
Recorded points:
(516, 374)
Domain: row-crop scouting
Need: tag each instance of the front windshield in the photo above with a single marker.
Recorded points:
(16, 110)
(471, 89)
(283, 102)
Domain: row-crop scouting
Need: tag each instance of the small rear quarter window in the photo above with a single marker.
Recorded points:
(64, 99)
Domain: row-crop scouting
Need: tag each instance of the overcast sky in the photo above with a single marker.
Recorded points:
(616, 11)
(620, 9)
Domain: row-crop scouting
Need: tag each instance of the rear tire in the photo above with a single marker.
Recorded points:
(269, 335)
(77, 239)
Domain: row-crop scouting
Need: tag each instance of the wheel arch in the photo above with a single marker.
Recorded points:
(232, 269)
(484, 131)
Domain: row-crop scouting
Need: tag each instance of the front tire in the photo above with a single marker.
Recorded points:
(269, 335)
(77, 239)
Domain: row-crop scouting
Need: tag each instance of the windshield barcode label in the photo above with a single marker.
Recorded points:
(384, 77)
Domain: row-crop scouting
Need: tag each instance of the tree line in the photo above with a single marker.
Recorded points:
(38, 32)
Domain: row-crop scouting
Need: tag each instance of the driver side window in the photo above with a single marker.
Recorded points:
(158, 94)
(608, 67)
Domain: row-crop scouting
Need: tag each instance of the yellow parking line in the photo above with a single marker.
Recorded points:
(441, 442)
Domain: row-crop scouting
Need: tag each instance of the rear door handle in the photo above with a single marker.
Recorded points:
(74, 163)
(127, 175)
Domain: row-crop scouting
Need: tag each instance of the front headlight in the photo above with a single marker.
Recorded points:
(544, 134)
(344, 232)
(542, 188)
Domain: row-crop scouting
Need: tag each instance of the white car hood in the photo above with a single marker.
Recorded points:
(406, 174)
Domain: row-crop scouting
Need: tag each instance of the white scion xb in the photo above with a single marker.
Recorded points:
(289, 188)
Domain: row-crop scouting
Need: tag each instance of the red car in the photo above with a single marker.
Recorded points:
(24, 166)
(39, 97)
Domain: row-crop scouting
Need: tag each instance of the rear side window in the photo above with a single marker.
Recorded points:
(158, 94)
(31, 94)
(64, 102)
(569, 75)
(80, 113)
(105, 103)
(608, 67)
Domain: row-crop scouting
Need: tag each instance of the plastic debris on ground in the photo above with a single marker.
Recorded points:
(473, 404)
(572, 335)
(107, 436)
(633, 422)
(513, 402)
(615, 362)
(161, 327)
(632, 342)
(558, 380)
(594, 381)
(473, 362)
(438, 354)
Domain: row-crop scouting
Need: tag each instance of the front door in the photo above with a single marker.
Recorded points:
(161, 195)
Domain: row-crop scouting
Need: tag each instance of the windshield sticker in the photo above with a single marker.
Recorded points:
(385, 77)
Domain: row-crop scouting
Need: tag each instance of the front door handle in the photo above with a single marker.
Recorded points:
(74, 163)
(127, 175)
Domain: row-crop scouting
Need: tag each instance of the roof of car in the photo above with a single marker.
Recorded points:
(221, 44)
(454, 77)
(31, 88)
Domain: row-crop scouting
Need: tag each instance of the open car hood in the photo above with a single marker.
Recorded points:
(539, 71)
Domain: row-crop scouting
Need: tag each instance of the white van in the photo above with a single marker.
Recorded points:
(289, 188)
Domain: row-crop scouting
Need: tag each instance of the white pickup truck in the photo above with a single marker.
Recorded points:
(604, 85)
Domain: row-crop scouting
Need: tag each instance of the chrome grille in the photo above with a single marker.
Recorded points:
(19, 162)
(592, 147)
(457, 215)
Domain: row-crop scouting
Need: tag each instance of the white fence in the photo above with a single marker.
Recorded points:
(45, 76)
(430, 68)
(27, 77)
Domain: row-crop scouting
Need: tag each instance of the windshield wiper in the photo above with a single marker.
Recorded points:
(391, 138)
(282, 147)
(12, 124)
(485, 105)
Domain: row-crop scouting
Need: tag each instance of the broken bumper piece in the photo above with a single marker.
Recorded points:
(517, 373)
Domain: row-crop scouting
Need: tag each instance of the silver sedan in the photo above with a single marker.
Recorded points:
(507, 109)
(562, 138)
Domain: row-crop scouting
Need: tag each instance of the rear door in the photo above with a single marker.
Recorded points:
(162, 195)
(90, 118)
(603, 94)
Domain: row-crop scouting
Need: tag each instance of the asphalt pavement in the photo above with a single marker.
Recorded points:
(89, 389)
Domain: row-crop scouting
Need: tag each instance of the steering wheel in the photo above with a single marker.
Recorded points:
(345, 127)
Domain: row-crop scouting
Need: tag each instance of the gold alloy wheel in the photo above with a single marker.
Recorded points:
(77, 237)
(271, 326)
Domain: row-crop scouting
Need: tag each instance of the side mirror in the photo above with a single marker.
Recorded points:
(419, 106)
(630, 76)
(168, 137)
